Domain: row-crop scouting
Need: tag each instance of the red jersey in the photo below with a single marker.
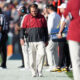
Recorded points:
(73, 7)
(36, 28)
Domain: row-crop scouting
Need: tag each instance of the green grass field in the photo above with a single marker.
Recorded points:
(70, 74)
(0, 59)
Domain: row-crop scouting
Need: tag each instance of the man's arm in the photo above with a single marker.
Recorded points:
(0, 28)
(63, 26)
(45, 31)
(61, 30)
(50, 23)
(5, 26)
(22, 30)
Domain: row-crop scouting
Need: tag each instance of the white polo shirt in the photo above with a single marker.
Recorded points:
(53, 21)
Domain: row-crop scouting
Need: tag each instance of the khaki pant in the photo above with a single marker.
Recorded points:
(36, 55)
(75, 58)
(25, 55)
(52, 53)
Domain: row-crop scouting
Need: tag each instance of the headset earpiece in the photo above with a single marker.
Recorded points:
(22, 11)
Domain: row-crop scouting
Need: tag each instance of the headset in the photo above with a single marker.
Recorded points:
(23, 9)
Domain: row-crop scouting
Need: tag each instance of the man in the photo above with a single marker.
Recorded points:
(73, 36)
(3, 38)
(64, 59)
(25, 58)
(52, 48)
(37, 35)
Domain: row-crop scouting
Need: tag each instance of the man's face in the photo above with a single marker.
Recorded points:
(48, 10)
(56, 0)
(62, 10)
(34, 11)
(20, 13)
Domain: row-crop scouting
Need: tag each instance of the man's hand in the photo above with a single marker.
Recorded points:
(46, 43)
(0, 28)
(59, 35)
(21, 41)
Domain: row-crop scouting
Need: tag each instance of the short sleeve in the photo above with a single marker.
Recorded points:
(23, 22)
(67, 10)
